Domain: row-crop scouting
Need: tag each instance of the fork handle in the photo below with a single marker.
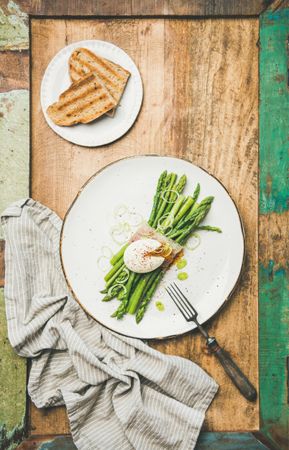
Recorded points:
(232, 370)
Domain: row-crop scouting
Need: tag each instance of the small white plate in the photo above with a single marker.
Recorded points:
(105, 129)
(213, 267)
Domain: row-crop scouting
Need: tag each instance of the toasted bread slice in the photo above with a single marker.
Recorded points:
(84, 101)
(115, 77)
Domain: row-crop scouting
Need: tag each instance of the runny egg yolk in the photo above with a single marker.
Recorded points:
(137, 256)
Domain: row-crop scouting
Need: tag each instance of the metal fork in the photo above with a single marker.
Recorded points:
(230, 367)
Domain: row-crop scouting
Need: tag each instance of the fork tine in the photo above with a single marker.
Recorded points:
(189, 305)
(189, 311)
(176, 301)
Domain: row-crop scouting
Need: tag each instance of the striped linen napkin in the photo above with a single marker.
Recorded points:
(120, 394)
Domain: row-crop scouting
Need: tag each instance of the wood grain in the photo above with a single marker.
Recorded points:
(142, 7)
(201, 102)
(274, 227)
(14, 70)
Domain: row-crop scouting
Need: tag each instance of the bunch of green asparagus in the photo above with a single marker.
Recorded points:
(176, 216)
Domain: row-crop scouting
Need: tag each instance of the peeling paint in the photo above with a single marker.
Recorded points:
(58, 443)
(274, 113)
(228, 441)
(10, 439)
(14, 150)
(14, 32)
(273, 202)
(274, 349)
(13, 387)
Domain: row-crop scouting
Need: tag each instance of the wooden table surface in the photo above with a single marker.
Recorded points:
(200, 102)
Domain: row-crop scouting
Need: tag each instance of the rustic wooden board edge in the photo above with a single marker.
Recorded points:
(217, 441)
(273, 222)
(164, 8)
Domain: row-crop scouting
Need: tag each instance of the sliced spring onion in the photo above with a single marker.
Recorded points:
(165, 230)
(123, 213)
(193, 242)
(120, 210)
(115, 289)
(120, 238)
(106, 251)
(103, 263)
(165, 195)
(134, 219)
(123, 277)
(165, 218)
(121, 233)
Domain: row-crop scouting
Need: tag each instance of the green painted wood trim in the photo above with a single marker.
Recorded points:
(274, 112)
(274, 191)
(229, 441)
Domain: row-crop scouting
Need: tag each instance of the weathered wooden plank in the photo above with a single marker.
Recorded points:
(14, 70)
(14, 26)
(274, 226)
(13, 388)
(47, 420)
(195, 107)
(14, 180)
(141, 7)
(14, 155)
(207, 441)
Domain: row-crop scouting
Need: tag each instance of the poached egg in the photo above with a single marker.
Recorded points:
(137, 258)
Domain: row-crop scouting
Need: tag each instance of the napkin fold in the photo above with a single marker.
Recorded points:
(120, 394)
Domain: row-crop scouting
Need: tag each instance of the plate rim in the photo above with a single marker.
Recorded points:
(176, 334)
(48, 68)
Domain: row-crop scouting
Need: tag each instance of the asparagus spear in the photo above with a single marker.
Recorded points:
(195, 211)
(199, 217)
(137, 293)
(115, 276)
(114, 269)
(118, 255)
(186, 206)
(122, 309)
(168, 221)
(148, 296)
(160, 187)
(209, 228)
(178, 187)
(196, 193)
(163, 204)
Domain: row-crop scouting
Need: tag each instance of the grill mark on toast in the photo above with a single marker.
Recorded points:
(114, 68)
(80, 109)
(82, 61)
(82, 96)
(82, 102)
(89, 100)
(71, 116)
(109, 83)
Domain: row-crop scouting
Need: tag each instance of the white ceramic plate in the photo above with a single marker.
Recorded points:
(213, 267)
(105, 129)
